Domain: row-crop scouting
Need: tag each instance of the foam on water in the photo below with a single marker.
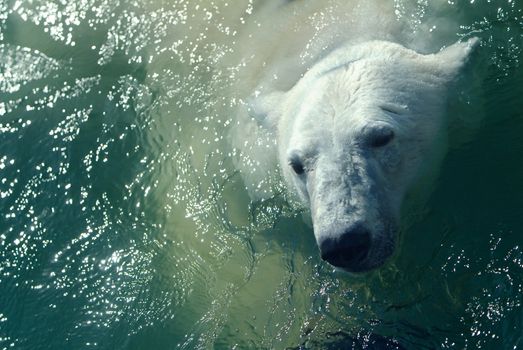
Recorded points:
(126, 221)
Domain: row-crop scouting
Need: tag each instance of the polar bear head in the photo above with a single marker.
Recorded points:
(354, 133)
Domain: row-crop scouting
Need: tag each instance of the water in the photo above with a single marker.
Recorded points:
(125, 219)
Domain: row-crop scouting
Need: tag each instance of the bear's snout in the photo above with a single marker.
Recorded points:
(348, 250)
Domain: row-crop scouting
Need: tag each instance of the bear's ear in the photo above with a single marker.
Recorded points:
(265, 108)
(451, 60)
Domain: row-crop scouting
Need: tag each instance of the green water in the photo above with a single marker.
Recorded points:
(125, 224)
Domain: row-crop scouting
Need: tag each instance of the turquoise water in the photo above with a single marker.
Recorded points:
(125, 223)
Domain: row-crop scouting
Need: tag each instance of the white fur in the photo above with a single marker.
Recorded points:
(329, 118)
(320, 81)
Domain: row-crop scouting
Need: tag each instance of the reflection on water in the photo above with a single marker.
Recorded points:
(125, 219)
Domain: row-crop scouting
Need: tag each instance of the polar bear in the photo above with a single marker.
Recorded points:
(353, 135)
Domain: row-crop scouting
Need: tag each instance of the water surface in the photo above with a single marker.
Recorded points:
(126, 223)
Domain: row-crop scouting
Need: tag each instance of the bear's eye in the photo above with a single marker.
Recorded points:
(297, 165)
(381, 137)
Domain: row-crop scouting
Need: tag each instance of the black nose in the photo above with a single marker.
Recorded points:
(347, 250)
